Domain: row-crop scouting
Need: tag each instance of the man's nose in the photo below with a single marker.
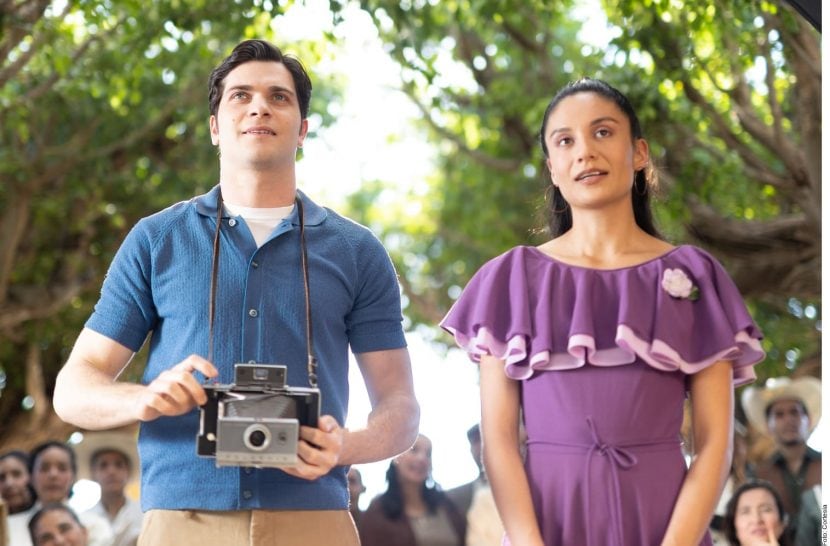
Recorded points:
(259, 106)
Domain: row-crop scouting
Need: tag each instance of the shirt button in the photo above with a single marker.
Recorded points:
(252, 361)
(247, 494)
(248, 470)
(254, 264)
(232, 222)
(253, 313)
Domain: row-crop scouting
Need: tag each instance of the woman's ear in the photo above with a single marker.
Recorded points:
(640, 154)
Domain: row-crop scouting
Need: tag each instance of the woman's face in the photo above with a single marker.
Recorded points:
(14, 481)
(755, 515)
(53, 476)
(58, 527)
(591, 156)
(415, 465)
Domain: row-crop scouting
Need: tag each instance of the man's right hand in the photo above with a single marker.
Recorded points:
(175, 391)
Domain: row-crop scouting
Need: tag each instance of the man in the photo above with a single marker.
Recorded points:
(475, 501)
(787, 410)
(356, 488)
(109, 458)
(218, 293)
(462, 496)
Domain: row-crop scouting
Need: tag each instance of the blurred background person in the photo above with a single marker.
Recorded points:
(109, 458)
(755, 516)
(356, 488)
(413, 511)
(739, 473)
(787, 410)
(15, 484)
(57, 524)
(808, 526)
(474, 500)
(54, 468)
(17, 494)
(462, 496)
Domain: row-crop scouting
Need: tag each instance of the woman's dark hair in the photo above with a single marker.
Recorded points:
(37, 451)
(391, 501)
(560, 219)
(259, 50)
(50, 507)
(732, 511)
(23, 457)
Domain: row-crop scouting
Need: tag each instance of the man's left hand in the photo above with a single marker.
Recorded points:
(318, 449)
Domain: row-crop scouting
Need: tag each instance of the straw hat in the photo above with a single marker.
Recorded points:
(120, 440)
(756, 400)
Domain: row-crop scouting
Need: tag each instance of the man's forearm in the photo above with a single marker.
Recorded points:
(391, 428)
(89, 400)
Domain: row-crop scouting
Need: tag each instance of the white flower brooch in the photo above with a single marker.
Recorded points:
(678, 285)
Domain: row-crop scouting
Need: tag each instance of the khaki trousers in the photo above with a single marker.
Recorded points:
(248, 528)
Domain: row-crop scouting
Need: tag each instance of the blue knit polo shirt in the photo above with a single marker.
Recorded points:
(159, 284)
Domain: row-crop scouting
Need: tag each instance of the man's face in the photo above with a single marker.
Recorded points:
(788, 422)
(258, 125)
(112, 471)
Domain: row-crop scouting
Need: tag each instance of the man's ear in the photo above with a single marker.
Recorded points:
(214, 130)
(303, 133)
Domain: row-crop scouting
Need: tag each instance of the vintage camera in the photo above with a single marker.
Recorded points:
(256, 420)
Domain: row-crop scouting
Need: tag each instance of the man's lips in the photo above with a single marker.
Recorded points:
(259, 131)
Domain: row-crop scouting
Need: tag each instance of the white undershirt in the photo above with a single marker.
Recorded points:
(261, 221)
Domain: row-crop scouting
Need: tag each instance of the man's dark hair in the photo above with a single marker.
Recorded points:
(98, 452)
(474, 434)
(259, 50)
(560, 219)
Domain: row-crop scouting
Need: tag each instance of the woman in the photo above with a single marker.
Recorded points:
(755, 516)
(18, 494)
(595, 338)
(53, 467)
(57, 524)
(15, 487)
(412, 511)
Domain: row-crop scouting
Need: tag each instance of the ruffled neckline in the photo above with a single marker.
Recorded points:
(538, 313)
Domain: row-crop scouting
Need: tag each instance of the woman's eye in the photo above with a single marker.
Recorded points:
(564, 141)
(603, 132)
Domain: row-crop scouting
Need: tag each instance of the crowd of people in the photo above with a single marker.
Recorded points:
(36, 487)
(590, 346)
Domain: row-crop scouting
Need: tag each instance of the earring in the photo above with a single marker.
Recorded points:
(567, 205)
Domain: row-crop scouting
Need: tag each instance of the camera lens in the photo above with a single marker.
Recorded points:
(256, 437)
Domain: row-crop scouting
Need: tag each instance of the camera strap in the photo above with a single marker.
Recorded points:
(214, 275)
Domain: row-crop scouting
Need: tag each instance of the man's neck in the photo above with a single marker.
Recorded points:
(258, 189)
(794, 455)
(113, 502)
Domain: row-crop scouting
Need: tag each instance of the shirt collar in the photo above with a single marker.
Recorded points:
(314, 213)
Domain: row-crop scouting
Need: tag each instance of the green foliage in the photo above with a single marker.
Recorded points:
(720, 90)
(104, 109)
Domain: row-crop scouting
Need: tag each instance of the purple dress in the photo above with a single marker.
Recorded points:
(603, 357)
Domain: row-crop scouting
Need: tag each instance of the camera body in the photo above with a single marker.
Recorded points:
(256, 420)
